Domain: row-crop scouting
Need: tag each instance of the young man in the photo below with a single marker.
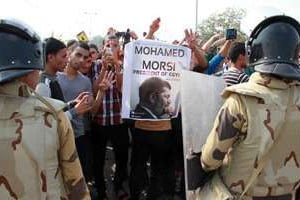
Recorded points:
(48, 86)
(56, 61)
(73, 83)
(235, 74)
(38, 155)
(108, 125)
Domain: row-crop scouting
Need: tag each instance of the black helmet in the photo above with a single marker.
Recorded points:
(20, 50)
(273, 47)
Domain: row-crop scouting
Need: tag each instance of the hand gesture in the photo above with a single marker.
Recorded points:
(133, 35)
(106, 81)
(190, 38)
(80, 96)
(217, 36)
(83, 104)
(155, 25)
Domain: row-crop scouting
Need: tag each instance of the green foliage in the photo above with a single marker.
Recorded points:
(97, 40)
(219, 22)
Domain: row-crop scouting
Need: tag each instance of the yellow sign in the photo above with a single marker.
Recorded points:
(82, 37)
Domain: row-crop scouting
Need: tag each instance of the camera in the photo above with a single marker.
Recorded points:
(125, 35)
(231, 33)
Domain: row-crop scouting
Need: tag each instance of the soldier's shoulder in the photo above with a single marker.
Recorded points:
(50, 104)
(245, 89)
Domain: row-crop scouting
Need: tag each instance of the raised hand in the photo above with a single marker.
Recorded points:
(153, 28)
(107, 81)
(191, 38)
(84, 104)
(155, 25)
(133, 35)
(80, 96)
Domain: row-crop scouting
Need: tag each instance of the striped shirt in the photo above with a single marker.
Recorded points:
(234, 76)
(109, 112)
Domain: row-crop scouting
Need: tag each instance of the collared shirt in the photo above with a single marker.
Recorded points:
(110, 110)
(150, 112)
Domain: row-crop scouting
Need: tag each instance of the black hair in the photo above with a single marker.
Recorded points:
(84, 45)
(236, 49)
(53, 46)
(93, 46)
(71, 42)
(150, 86)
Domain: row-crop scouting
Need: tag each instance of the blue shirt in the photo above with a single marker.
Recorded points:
(213, 64)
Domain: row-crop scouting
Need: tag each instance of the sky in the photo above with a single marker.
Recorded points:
(64, 19)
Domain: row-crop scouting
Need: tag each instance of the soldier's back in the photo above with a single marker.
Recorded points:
(28, 145)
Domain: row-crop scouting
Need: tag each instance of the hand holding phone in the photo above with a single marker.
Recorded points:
(231, 34)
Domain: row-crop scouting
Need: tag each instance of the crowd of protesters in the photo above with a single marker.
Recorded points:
(77, 73)
(88, 78)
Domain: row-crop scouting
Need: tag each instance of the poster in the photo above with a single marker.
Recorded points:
(200, 103)
(151, 79)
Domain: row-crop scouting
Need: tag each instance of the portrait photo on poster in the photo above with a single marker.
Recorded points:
(151, 84)
(154, 100)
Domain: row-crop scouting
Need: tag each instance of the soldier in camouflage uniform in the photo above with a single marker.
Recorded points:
(255, 114)
(38, 156)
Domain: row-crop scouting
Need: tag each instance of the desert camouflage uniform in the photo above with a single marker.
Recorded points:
(38, 155)
(253, 115)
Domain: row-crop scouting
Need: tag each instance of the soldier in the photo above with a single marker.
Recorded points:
(257, 128)
(38, 156)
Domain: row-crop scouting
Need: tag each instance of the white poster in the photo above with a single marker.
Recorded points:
(151, 79)
(200, 103)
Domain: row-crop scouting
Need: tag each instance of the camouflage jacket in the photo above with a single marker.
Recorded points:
(253, 115)
(38, 155)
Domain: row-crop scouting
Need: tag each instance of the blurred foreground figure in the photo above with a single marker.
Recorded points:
(257, 129)
(38, 155)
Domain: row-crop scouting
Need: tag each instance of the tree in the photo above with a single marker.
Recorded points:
(219, 22)
(97, 40)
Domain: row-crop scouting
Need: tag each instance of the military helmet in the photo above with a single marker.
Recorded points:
(21, 50)
(273, 47)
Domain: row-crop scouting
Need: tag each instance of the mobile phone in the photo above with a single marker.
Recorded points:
(231, 34)
(109, 51)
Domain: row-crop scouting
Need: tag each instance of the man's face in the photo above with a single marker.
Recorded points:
(93, 54)
(86, 67)
(242, 61)
(163, 102)
(59, 60)
(114, 45)
(78, 58)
